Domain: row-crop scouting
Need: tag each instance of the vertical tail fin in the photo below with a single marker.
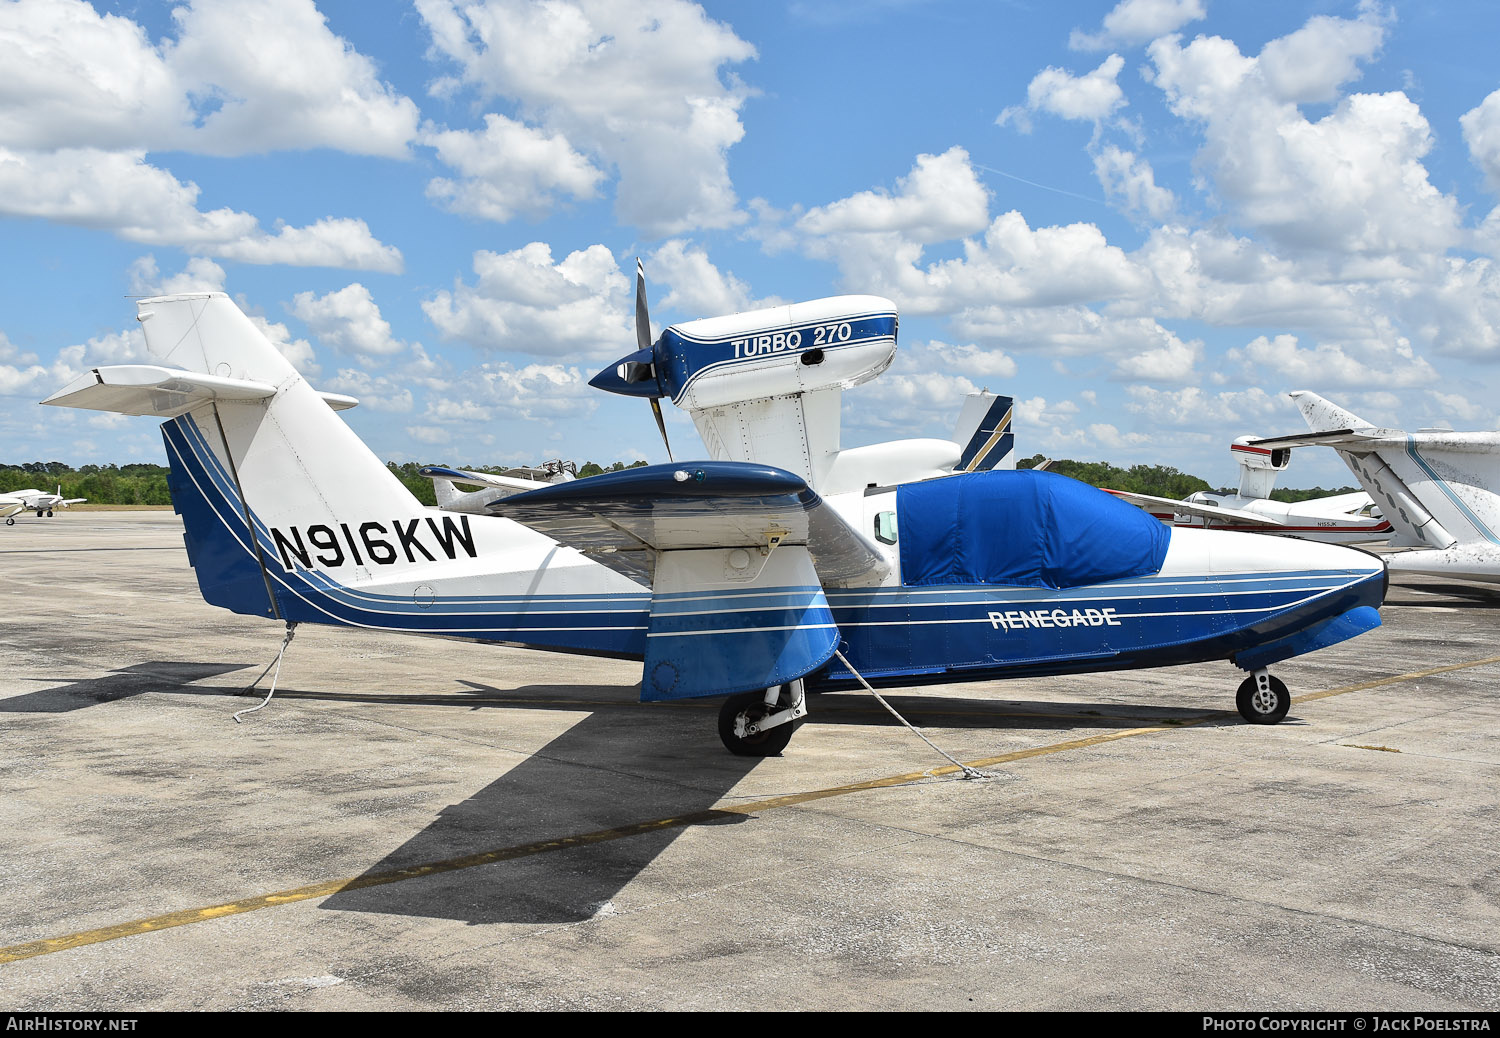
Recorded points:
(984, 427)
(1323, 416)
(289, 456)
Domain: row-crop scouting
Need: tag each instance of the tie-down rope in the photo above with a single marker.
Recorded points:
(968, 772)
(291, 629)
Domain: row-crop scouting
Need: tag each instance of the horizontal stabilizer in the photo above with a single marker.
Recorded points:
(622, 519)
(1166, 504)
(149, 389)
(1331, 438)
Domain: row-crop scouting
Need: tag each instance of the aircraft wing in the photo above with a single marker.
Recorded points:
(737, 555)
(1161, 504)
(488, 480)
(621, 519)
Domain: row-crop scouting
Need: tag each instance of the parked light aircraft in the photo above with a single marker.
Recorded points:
(38, 501)
(1339, 519)
(1439, 489)
(782, 563)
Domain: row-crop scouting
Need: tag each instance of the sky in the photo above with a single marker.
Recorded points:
(1145, 221)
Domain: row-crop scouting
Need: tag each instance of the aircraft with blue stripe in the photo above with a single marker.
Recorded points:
(780, 563)
(1439, 489)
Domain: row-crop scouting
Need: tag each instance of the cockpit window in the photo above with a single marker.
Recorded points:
(885, 527)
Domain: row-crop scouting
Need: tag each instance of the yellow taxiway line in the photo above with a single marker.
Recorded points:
(49, 945)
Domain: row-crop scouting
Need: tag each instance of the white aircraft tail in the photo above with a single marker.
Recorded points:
(1438, 489)
(288, 458)
(276, 492)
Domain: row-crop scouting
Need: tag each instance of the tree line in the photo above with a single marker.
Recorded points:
(140, 484)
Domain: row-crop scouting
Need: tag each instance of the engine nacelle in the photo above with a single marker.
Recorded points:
(829, 343)
(1258, 466)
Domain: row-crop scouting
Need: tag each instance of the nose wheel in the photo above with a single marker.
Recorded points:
(1263, 699)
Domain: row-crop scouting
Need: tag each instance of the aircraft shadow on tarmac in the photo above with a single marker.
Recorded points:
(156, 676)
(604, 773)
(622, 764)
(1468, 596)
(649, 766)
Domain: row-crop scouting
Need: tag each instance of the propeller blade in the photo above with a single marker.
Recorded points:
(643, 340)
(662, 425)
(642, 318)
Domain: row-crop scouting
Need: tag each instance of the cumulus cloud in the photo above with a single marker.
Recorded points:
(1013, 265)
(374, 392)
(1191, 406)
(429, 434)
(269, 74)
(1171, 361)
(697, 287)
(1129, 181)
(1313, 62)
(1094, 96)
(940, 198)
(1136, 21)
(909, 402)
(86, 96)
(1351, 182)
(636, 84)
(970, 359)
(1481, 128)
(200, 275)
(508, 168)
(240, 77)
(23, 375)
(495, 391)
(298, 352)
(1282, 359)
(348, 320)
(523, 302)
(119, 191)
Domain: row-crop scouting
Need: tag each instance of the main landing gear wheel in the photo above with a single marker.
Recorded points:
(1263, 699)
(746, 711)
(10, 520)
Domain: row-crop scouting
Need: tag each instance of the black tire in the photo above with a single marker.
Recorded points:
(762, 744)
(10, 520)
(1258, 708)
(49, 513)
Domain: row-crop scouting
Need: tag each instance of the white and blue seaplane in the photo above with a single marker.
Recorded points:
(781, 563)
